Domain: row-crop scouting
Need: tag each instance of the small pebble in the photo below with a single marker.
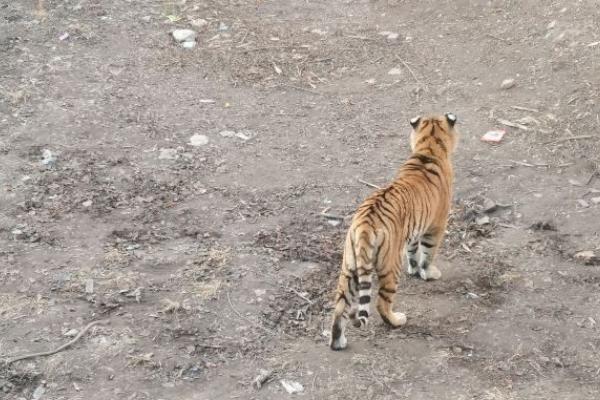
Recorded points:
(395, 71)
(71, 333)
(507, 84)
(198, 140)
(199, 22)
(184, 35)
(583, 203)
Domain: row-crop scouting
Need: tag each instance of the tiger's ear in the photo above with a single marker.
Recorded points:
(415, 122)
(451, 118)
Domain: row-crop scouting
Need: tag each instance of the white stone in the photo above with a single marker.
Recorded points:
(188, 45)
(395, 71)
(198, 140)
(292, 386)
(184, 35)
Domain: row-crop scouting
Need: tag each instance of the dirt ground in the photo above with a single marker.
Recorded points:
(214, 263)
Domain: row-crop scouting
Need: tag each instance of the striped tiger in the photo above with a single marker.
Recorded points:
(408, 217)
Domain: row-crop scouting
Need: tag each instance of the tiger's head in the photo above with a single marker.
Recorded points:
(436, 134)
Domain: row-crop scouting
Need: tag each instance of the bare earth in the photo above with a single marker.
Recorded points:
(213, 262)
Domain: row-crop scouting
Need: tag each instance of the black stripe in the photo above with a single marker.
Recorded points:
(364, 285)
(441, 144)
(384, 297)
(382, 277)
(343, 296)
(386, 290)
(428, 245)
(336, 332)
(413, 263)
(424, 158)
(363, 313)
(364, 299)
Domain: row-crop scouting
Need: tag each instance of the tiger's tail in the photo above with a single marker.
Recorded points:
(355, 281)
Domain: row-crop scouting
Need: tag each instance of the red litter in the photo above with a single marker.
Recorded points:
(494, 136)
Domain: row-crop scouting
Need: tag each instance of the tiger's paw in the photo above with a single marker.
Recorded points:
(395, 319)
(412, 269)
(399, 319)
(430, 273)
(338, 344)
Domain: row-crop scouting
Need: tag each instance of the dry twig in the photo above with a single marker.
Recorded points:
(571, 138)
(58, 349)
(369, 184)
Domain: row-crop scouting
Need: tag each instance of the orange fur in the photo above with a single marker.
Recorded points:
(408, 216)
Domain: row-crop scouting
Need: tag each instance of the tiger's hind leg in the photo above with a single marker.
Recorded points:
(344, 299)
(412, 257)
(429, 244)
(388, 282)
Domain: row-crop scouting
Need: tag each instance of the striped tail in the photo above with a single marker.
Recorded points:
(364, 251)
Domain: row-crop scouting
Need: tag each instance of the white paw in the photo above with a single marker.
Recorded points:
(431, 273)
(411, 270)
(400, 318)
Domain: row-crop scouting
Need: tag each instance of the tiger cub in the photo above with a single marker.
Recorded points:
(407, 217)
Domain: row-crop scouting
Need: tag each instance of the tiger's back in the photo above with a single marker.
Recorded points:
(407, 217)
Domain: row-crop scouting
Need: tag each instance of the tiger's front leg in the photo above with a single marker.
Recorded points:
(412, 256)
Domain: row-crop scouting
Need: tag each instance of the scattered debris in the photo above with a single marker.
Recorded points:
(188, 45)
(471, 296)
(64, 36)
(223, 26)
(583, 203)
(245, 135)
(483, 220)
(595, 200)
(87, 203)
(167, 154)
(292, 386)
(89, 286)
(489, 205)
(263, 377)
(395, 71)
(512, 124)
(199, 23)
(543, 226)
(198, 140)
(494, 136)
(170, 306)
(38, 392)
(227, 133)
(58, 349)
(71, 333)
(525, 109)
(390, 35)
(18, 234)
(508, 84)
(319, 32)
(369, 184)
(575, 182)
(587, 256)
(48, 158)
